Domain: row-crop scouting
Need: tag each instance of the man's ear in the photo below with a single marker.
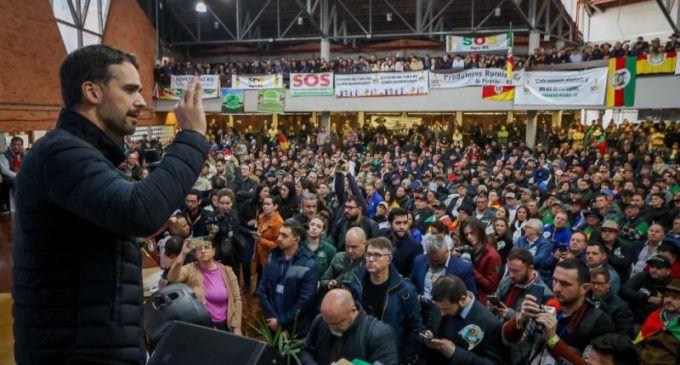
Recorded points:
(92, 92)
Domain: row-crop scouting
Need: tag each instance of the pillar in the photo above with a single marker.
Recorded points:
(361, 119)
(534, 41)
(532, 126)
(557, 119)
(509, 117)
(325, 49)
(459, 119)
(325, 120)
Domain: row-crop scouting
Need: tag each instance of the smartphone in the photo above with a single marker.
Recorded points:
(562, 248)
(537, 292)
(494, 300)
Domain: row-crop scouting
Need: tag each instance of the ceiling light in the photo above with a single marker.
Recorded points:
(497, 12)
(300, 20)
(388, 16)
(200, 7)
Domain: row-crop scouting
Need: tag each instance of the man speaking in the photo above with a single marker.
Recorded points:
(77, 268)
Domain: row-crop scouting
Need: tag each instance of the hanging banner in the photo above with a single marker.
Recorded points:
(562, 88)
(658, 63)
(271, 100)
(210, 84)
(471, 77)
(458, 44)
(256, 82)
(232, 100)
(498, 93)
(311, 84)
(381, 84)
(621, 81)
(677, 65)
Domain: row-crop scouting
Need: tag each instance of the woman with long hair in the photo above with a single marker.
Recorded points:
(501, 239)
(517, 226)
(485, 259)
(248, 214)
(268, 225)
(289, 200)
(215, 284)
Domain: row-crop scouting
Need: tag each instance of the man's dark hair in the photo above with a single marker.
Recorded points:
(195, 192)
(296, 228)
(599, 245)
(600, 271)
(440, 227)
(354, 199)
(396, 212)
(16, 139)
(619, 347)
(583, 272)
(450, 288)
(669, 247)
(173, 246)
(89, 63)
(522, 255)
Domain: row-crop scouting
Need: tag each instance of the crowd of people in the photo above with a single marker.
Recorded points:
(427, 247)
(412, 62)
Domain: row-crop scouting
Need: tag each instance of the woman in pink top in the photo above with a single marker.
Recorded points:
(214, 284)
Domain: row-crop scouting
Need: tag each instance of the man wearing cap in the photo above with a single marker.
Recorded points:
(673, 44)
(422, 215)
(454, 201)
(620, 256)
(642, 291)
(592, 225)
(511, 206)
(659, 337)
(440, 213)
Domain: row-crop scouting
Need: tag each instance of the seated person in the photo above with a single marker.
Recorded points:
(659, 337)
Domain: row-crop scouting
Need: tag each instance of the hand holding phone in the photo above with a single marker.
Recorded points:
(495, 301)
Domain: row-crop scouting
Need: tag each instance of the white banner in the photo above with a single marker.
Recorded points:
(677, 65)
(210, 84)
(256, 82)
(471, 77)
(458, 44)
(312, 84)
(381, 84)
(562, 87)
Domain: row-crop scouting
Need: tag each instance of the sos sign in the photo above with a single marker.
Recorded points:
(480, 41)
(312, 81)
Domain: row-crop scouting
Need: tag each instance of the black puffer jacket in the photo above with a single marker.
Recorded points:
(77, 268)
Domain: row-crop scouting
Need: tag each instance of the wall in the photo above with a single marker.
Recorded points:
(627, 23)
(32, 51)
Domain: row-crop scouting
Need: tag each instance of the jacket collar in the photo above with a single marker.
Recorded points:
(84, 129)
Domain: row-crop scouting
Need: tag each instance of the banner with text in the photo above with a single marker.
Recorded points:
(472, 77)
(381, 84)
(232, 100)
(256, 82)
(562, 88)
(271, 100)
(210, 84)
(458, 44)
(312, 84)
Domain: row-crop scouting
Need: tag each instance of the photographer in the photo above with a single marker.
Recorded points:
(566, 334)
(225, 231)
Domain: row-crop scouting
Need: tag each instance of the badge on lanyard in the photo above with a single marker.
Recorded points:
(322, 254)
(472, 334)
(279, 289)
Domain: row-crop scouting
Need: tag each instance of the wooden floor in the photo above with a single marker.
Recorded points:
(251, 305)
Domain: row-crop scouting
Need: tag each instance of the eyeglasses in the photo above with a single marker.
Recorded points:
(376, 256)
(350, 207)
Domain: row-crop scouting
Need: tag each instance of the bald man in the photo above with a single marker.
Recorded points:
(344, 330)
(345, 264)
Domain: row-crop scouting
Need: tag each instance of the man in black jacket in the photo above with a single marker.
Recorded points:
(610, 302)
(344, 330)
(77, 268)
(353, 217)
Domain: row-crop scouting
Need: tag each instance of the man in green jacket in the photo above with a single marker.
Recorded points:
(345, 264)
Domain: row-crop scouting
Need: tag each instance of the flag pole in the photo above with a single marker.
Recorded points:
(510, 62)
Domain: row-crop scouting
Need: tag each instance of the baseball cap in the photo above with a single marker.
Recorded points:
(610, 224)
(659, 261)
(510, 196)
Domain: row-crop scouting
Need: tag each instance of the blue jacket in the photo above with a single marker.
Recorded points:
(542, 252)
(372, 202)
(298, 282)
(458, 267)
(404, 252)
(402, 312)
(561, 238)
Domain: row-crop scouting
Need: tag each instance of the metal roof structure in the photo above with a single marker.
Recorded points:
(272, 23)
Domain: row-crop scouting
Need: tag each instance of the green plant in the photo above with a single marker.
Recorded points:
(288, 345)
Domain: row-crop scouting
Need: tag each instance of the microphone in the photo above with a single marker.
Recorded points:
(552, 306)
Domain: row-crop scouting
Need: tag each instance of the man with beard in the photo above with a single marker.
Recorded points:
(405, 248)
(353, 217)
(70, 298)
(566, 335)
(642, 290)
(620, 256)
(193, 214)
(344, 330)
(660, 334)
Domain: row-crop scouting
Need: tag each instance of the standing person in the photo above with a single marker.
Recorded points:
(318, 244)
(70, 180)
(10, 164)
(215, 284)
(268, 226)
(288, 286)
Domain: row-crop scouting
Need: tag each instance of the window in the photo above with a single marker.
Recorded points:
(81, 22)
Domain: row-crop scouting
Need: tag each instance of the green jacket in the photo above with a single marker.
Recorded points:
(323, 254)
(341, 269)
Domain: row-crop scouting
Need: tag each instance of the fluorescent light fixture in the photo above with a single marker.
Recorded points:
(300, 20)
(388, 17)
(497, 12)
(200, 7)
